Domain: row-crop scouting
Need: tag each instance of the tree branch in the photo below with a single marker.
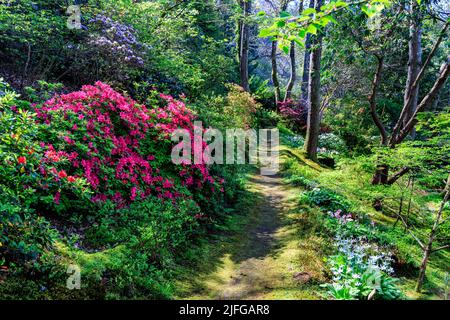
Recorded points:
(441, 248)
(426, 101)
(421, 73)
(398, 175)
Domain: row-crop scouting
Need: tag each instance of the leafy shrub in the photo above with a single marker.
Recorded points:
(42, 91)
(26, 41)
(295, 141)
(300, 181)
(360, 268)
(240, 107)
(331, 144)
(109, 51)
(23, 234)
(235, 110)
(153, 225)
(326, 200)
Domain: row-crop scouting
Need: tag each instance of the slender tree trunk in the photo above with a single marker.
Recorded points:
(273, 57)
(429, 247)
(423, 268)
(313, 126)
(244, 44)
(306, 62)
(373, 101)
(414, 61)
(276, 83)
(293, 76)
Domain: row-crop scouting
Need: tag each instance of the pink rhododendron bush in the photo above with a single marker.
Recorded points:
(119, 147)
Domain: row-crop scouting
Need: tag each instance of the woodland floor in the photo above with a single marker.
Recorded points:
(275, 256)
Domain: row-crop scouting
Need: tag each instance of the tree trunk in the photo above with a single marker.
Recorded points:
(244, 44)
(276, 83)
(414, 61)
(381, 174)
(395, 137)
(424, 104)
(313, 126)
(306, 62)
(373, 102)
(293, 76)
(423, 268)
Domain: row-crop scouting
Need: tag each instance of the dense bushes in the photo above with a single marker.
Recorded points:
(97, 155)
(23, 233)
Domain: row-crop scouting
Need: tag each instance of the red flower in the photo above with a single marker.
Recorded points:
(62, 174)
(22, 160)
(71, 179)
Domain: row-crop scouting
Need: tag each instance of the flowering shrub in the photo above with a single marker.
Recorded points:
(295, 113)
(23, 233)
(107, 50)
(120, 147)
(116, 40)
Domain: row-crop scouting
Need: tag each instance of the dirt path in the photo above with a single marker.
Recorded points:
(270, 260)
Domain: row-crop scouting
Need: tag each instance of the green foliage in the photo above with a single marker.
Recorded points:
(331, 144)
(326, 200)
(24, 235)
(287, 28)
(236, 110)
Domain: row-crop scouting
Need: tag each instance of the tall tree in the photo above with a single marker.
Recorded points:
(407, 121)
(274, 74)
(415, 59)
(243, 42)
(306, 61)
(273, 58)
(293, 76)
(313, 125)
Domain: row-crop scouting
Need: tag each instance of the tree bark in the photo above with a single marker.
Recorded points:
(381, 174)
(244, 44)
(424, 104)
(273, 57)
(276, 83)
(414, 61)
(306, 62)
(293, 76)
(313, 126)
(373, 102)
(399, 125)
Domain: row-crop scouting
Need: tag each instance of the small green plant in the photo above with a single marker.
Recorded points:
(326, 199)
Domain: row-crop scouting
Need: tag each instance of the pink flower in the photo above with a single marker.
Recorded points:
(62, 174)
(57, 197)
